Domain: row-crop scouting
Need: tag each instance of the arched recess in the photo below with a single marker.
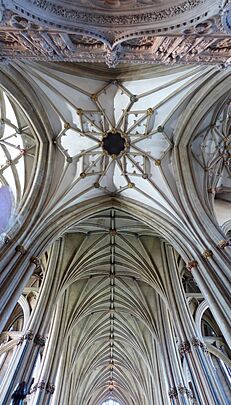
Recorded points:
(28, 105)
(195, 202)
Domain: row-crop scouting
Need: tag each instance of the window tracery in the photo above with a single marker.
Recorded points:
(17, 147)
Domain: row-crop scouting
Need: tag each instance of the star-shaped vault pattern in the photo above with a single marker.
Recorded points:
(145, 142)
(86, 114)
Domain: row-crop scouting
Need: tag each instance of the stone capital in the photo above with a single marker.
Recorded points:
(207, 254)
(184, 347)
(50, 388)
(40, 340)
(191, 265)
(172, 393)
(35, 260)
(196, 342)
(224, 243)
(20, 249)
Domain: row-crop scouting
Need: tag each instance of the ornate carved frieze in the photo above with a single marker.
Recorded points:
(32, 38)
(105, 14)
(55, 46)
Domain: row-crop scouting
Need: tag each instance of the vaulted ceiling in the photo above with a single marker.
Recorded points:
(116, 162)
(115, 283)
(145, 114)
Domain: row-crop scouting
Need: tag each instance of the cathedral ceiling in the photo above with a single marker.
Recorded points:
(87, 114)
(144, 137)
(117, 138)
(113, 277)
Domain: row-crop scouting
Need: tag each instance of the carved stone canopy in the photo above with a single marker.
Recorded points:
(115, 31)
(118, 15)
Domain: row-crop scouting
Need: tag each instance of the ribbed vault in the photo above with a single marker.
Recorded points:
(109, 220)
(145, 112)
(113, 287)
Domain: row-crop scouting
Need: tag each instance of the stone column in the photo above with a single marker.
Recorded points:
(13, 279)
(191, 349)
(178, 392)
(23, 362)
(45, 387)
(213, 298)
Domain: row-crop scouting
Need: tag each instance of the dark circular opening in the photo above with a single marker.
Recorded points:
(114, 143)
